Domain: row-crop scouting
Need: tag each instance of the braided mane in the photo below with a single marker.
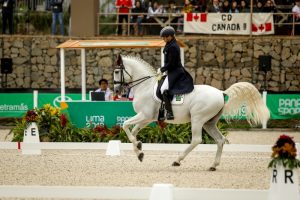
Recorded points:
(138, 59)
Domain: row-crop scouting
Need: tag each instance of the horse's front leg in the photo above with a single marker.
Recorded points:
(139, 122)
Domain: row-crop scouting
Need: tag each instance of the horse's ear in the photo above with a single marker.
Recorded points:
(119, 60)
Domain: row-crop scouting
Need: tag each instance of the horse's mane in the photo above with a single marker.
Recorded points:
(138, 59)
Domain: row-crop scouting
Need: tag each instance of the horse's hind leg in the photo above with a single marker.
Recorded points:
(214, 132)
(196, 139)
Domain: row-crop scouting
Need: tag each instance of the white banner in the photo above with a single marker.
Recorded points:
(228, 23)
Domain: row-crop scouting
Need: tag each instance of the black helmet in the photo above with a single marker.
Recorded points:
(166, 31)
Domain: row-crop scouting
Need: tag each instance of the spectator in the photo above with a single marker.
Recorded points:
(244, 7)
(57, 14)
(200, 6)
(215, 7)
(187, 8)
(269, 7)
(153, 10)
(123, 7)
(296, 12)
(234, 7)
(103, 87)
(7, 15)
(172, 7)
(137, 18)
(226, 7)
(258, 8)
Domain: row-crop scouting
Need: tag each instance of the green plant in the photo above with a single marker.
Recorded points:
(54, 126)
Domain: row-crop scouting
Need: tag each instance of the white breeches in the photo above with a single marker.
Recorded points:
(165, 85)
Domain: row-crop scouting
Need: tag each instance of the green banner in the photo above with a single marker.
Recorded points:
(15, 104)
(281, 106)
(93, 113)
(54, 98)
(284, 106)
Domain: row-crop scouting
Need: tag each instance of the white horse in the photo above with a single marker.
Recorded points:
(202, 107)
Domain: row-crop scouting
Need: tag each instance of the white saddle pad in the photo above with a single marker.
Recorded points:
(177, 99)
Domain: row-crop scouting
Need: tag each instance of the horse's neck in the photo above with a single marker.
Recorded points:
(139, 71)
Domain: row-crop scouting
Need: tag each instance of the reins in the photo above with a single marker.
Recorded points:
(127, 84)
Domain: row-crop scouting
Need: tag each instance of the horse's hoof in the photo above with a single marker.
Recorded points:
(141, 157)
(176, 164)
(139, 145)
(212, 169)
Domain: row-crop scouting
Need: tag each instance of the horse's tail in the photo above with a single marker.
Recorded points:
(245, 94)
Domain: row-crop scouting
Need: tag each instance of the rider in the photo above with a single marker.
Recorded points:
(178, 80)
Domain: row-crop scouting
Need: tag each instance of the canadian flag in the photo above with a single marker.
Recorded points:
(200, 17)
(262, 23)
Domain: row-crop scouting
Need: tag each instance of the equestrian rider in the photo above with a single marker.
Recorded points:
(178, 80)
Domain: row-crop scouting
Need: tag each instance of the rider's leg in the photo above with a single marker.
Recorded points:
(164, 91)
(168, 105)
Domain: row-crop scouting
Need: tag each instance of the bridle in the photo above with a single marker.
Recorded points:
(123, 71)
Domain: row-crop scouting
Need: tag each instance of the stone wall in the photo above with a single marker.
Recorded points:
(216, 61)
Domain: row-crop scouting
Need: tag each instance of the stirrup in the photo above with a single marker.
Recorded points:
(170, 116)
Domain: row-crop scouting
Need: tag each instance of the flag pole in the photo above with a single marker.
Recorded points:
(251, 15)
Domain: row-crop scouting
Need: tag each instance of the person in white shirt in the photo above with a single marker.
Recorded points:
(296, 12)
(103, 87)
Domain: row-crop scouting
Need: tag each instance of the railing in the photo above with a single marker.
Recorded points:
(108, 22)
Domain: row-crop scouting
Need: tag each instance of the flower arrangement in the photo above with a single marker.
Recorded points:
(31, 116)
(284, 153)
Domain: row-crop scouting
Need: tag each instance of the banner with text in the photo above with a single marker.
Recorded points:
(284, 106)
(229, 23)
(92, 113)
(15, 104)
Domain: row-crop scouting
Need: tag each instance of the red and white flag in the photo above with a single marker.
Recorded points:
(227, 23)
(262, 23)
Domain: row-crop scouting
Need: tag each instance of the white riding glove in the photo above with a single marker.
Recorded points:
(158, 72)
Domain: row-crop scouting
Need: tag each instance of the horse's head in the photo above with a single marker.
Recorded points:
(122, 75)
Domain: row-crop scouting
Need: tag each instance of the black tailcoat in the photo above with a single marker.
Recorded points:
(180, 81)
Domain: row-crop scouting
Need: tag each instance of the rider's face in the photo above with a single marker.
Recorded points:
(167, 38)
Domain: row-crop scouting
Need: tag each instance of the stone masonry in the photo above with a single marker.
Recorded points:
(216, 61)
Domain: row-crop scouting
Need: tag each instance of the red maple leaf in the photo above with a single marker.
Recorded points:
(196, 17)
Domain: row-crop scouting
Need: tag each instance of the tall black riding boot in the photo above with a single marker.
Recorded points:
(168, 105)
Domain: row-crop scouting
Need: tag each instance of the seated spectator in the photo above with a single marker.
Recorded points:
(154, 9)
(226, 7)
(258, 7)
(296, 12)
(215, 7)
(137, 18)
(244, 7)
(103, 87)
(200, 6)
(234, 7)
(269, 7)
(172, 7)
(187, 8)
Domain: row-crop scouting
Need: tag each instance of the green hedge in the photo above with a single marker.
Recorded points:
(54, 126)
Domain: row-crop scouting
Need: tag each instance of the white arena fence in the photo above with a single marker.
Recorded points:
(128, 146)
